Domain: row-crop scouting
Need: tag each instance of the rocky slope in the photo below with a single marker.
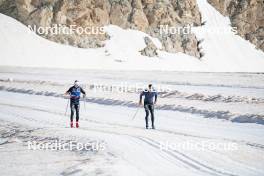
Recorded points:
(143, 15)
(247, 16)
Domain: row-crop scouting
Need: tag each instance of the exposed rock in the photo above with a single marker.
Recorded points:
(150, 50)
(80, 14)
(173, 13)
(9, 8)
(143, 15)
(175, 43)
(139, 20)
(247, 16)
(120, 12)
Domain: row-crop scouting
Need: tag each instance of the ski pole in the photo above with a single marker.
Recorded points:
(67, 107)
(84, 105)
(135, 113)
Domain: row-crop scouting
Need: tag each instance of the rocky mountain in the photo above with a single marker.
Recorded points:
(247, 16)
(143, 15)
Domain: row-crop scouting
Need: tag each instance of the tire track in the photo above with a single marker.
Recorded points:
(187, 159)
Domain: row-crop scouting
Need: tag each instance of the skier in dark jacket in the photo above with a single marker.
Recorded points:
(150, 98)
(75, 93)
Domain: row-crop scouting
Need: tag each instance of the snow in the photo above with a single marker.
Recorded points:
(223, 53)
(129, 143)
(217, 109)
(32, 109)
(226, 50)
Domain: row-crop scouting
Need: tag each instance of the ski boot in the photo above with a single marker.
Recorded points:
(77, 125)
(71, 124)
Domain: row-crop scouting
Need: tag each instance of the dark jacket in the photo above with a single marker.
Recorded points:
(75, 93)
(149, 96)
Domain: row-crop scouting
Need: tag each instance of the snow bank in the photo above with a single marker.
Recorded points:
(225, 50)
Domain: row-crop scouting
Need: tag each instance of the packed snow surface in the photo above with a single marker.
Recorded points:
(214, 109)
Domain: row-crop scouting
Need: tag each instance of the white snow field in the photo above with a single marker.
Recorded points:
(209, 117)
(218, 109)
(223, 52)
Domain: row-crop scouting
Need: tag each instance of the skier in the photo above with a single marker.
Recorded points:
(149, 102)
(75, 93)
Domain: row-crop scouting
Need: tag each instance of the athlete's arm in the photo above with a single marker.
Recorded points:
(140, 98)
(83, 92)
(68, 92)
(156, 97)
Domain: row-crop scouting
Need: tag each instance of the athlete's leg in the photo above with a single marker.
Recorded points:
(77, 108)
(72, 111)
(147, 114)
(151, 109)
